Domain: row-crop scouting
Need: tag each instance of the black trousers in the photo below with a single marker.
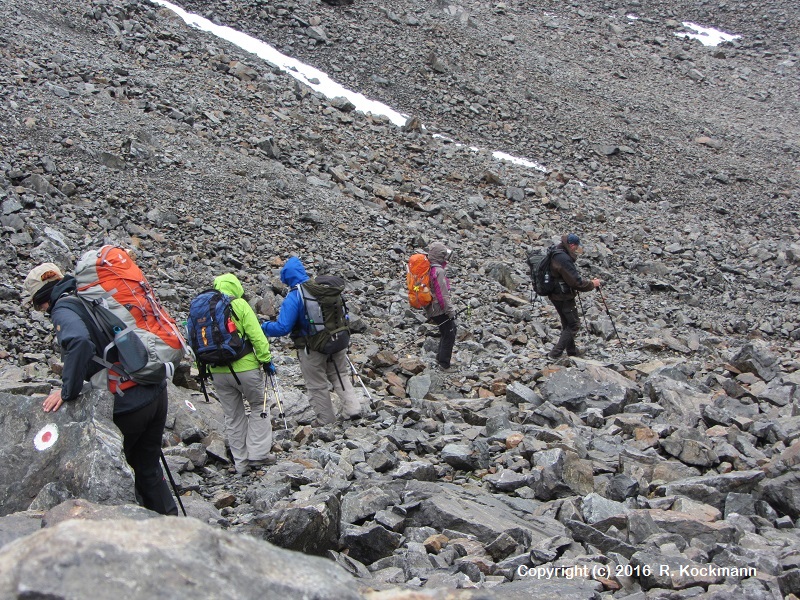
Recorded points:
(447, 339)
(570, 325)
(141, 431)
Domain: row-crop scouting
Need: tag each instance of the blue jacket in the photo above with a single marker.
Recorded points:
(292, 315)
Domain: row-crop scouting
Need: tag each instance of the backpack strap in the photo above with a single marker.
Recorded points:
(115, 370)
(336, 368)
(304, 332)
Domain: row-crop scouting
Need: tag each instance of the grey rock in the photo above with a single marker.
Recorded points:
(682, 401)
(517, 393)
(485, 519)
(220, 564)
(589, 386)
(622, 486)
(756, 358)
(595, 508)
(310, 526)
(360, 505)
(81, 451)
(370, 542)
(688, 446)
(507, 480)
(418, 469)
(783, 493)
(606, 543)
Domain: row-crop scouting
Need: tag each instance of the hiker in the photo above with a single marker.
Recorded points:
(139, 413)
(249, 435)
(441, 310)
(568, 282)
(320, 370)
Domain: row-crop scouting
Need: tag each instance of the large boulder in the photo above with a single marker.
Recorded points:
(758, 359)
(162, 557)
(310, 526)
(589, 385)
(481, 515)
(73, 452)
(682, 401)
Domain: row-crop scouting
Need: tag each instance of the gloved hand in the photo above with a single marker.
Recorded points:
(269, 368)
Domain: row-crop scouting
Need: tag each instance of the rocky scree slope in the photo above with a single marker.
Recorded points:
(120, 124)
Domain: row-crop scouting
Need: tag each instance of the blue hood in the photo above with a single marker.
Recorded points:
(293, 272)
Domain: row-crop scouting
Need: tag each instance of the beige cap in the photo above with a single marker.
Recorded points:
(41, 276)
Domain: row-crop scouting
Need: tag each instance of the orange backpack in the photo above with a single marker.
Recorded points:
(124, 306)
(418, 280)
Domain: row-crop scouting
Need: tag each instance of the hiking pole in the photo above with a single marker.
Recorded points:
(172, 481)
(361, 381)
(608, 312)
(276, 389)
(264, 413)
(583, 312)
(458, 312)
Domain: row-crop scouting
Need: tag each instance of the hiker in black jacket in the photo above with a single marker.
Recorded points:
(140, 413)
(568, 283)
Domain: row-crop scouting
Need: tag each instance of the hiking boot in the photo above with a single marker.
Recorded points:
(446, 368)
(269, 460)
(555, 353)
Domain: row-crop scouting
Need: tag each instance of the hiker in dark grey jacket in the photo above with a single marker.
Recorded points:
(140, 413)
(568, 283)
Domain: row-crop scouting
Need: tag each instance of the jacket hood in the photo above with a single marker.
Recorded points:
(229, 284)
(293, 272)
(438, 253)
(67, 285)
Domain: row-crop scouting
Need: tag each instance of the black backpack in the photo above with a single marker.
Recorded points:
(544, 283)
(326, 314)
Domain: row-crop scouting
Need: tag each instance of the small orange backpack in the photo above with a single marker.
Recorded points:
(418, 280)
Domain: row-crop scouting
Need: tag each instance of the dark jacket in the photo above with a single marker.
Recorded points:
(80, 340)
(568, 280)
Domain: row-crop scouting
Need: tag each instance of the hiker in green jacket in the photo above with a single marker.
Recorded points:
(249, 435)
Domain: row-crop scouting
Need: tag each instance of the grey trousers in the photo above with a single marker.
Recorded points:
(249, 436)
(320, 373)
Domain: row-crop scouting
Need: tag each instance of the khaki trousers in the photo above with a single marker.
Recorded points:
(320, 373)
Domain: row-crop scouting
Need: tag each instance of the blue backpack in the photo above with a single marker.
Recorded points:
(213, 335)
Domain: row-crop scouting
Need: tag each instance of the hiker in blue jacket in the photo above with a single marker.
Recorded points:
(319, 370)
(140, 413)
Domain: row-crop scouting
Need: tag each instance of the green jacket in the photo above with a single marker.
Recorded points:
(246, 323)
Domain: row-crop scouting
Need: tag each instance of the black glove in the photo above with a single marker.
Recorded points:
(269, 368)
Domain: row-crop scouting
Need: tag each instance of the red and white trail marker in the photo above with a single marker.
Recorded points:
(47, 436)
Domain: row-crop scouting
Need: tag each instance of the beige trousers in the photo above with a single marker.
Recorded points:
(320, 373)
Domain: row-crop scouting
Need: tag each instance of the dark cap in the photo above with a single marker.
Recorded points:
(573, 239)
